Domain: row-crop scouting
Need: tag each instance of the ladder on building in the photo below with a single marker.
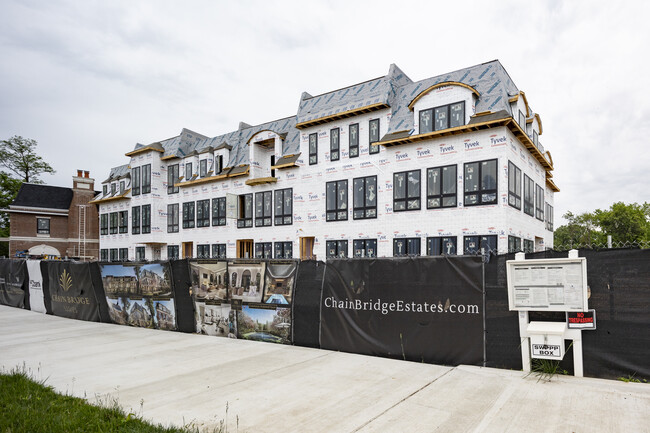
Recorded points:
(82, 232)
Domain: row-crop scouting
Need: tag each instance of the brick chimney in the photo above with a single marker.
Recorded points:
(83, 181)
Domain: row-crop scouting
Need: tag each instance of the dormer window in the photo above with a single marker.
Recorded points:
(113, 188)
(374, 135)
(522, 120)
(203, 168)
(218, 164)
(122, 185)
(188, 171)
(443, 117)
(105, 189)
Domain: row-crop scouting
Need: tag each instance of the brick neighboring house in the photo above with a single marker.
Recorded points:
(55, 221)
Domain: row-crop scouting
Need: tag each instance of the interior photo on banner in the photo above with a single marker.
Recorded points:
(246, 281)
(280, 278)
(213, 315)
(264, 323)
(140, 295)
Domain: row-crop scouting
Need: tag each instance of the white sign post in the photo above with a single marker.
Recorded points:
(548, 285)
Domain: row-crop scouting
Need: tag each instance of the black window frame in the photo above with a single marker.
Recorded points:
(421, 114)
(313, 150)
(203, 167)
(335, 144)
(447, 109)
(173, 225)
(188, 170)
(103, 224)
(136, 220)
(135, 181)
(283, 216)
(203, 213)
(114, 256)
(146, 218)
(123, 221)
(365, 211)
(482, 190)
(336, 249)
(219, 211)
(146, 179)
(189, 213)
(283, 250)
(45, 230)
(442, 199)
(436, 245)
(123, 254)
(514, 244)
(482, 241)
(172, 177)
(539, 202)
(263, 250)
(514, 185)
(407, 191)
(529, 196)
(105, 191)
(218, 164)
(203, 251)
(103, 255)
(522, 120)
(244, 219)
(219, 251)
(365, 246)
(372, 138)
(114, 222)
(140, 254)
(413, 247)
(122, 187)
(263, 213)
(173, 252)
(353, 140)
(548, 216)
(529, 246)
(339, 213)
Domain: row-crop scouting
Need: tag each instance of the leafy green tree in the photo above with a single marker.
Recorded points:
(626, 223)
(580, 229)
(8, 189)
(18, 155)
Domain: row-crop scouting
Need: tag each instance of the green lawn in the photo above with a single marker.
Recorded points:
(31, 407)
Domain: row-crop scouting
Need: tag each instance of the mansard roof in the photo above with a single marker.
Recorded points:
(493, 87)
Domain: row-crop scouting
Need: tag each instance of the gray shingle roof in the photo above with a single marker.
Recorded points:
(395, 90)
(43, 196)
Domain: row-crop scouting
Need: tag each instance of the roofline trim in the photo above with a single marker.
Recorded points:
(342, 115)
(508, 122)
(144, 149)
(259, 132)
(442, 84)
(117, 197)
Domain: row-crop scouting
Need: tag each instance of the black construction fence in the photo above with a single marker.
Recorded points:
(445, 310)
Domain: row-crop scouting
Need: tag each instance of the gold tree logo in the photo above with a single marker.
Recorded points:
(65, 281)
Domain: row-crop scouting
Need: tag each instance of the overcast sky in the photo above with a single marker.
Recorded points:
(90, 79)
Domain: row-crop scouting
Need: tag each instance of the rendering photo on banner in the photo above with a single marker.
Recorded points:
(246, 281)
(279, 282)
(140, 295)
(264, 323)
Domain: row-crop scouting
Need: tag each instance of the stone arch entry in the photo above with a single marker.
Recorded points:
(42, 250)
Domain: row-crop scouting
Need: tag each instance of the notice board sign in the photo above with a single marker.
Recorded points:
(581, 319)
(547, 284)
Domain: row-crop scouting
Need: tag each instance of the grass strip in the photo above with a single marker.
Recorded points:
(32, 407)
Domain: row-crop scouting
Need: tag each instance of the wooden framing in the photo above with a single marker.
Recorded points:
(443, 84)
(342, 115)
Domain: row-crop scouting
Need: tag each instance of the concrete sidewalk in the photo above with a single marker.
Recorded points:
(176, 378)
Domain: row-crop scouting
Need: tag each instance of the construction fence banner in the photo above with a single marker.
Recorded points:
(248, 299)
(36, 294)
(74, 291)
(13, 278)
(427, 309)
(140, 294)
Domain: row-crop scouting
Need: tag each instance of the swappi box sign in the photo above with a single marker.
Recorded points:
(547, 284)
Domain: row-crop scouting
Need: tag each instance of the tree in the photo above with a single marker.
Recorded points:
(18, 155)
(8, 189)
(626, 223)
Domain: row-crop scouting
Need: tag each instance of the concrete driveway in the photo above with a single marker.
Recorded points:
(176, 378)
